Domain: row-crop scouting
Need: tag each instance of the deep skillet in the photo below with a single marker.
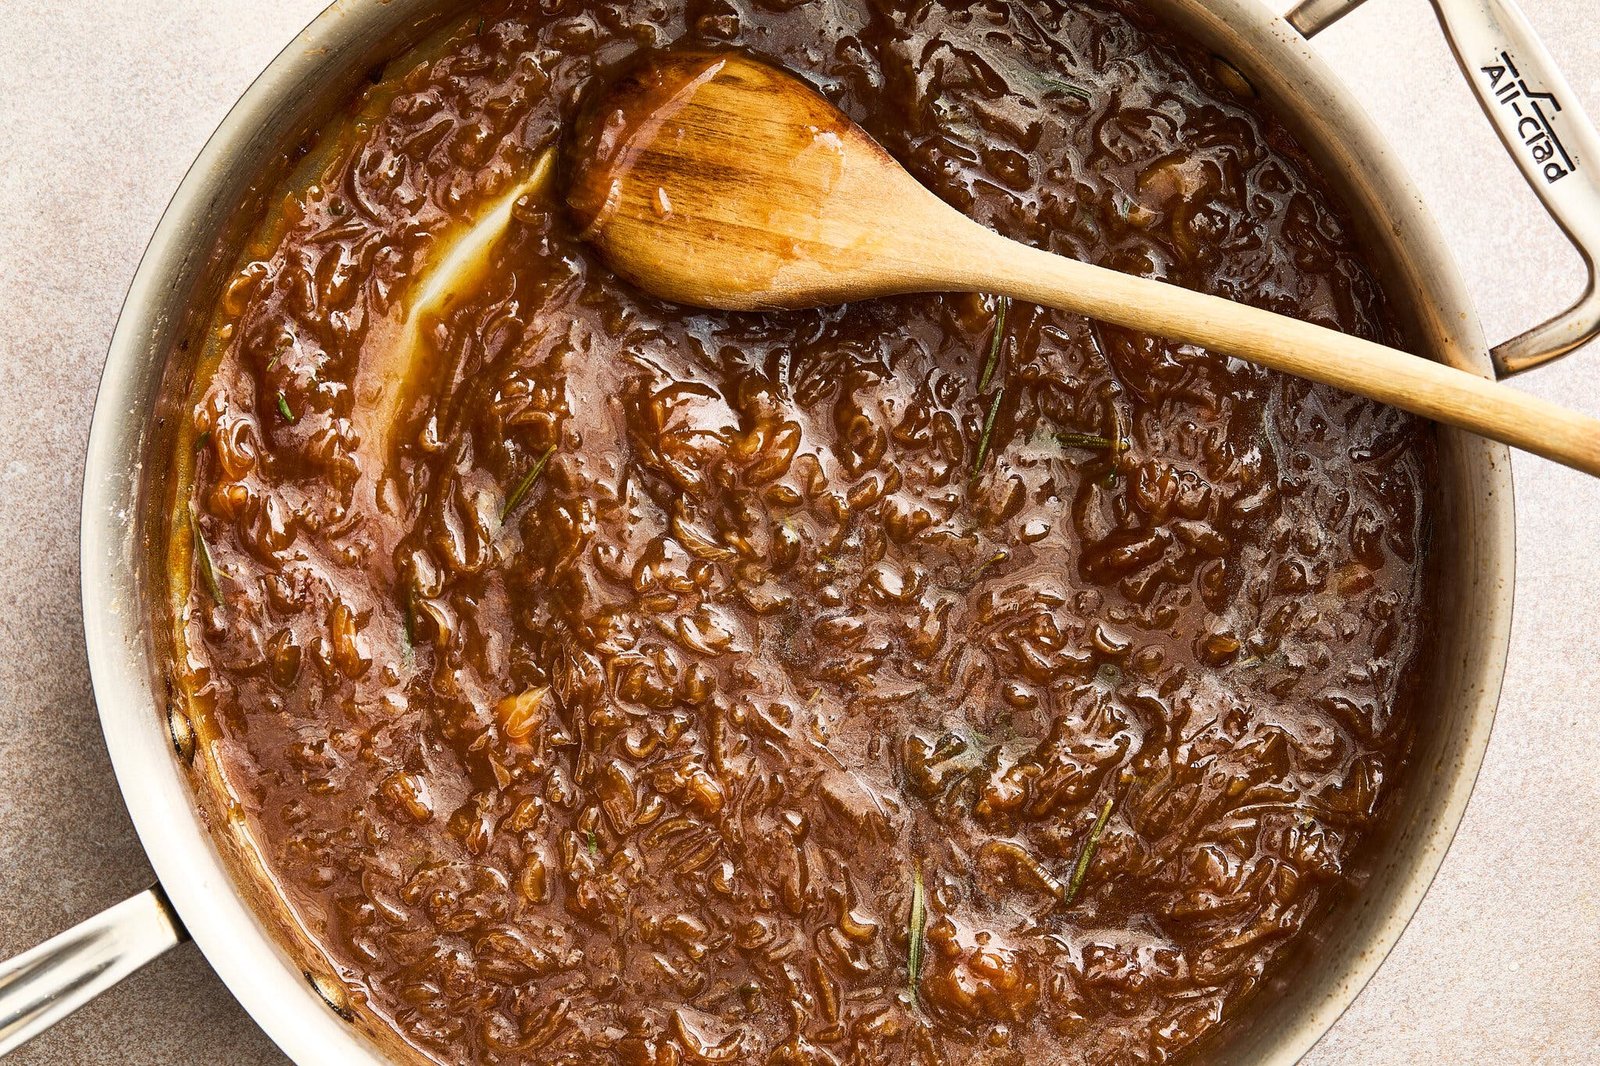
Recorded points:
(238, 927)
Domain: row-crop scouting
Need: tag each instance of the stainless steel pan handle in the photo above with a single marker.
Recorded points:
(40, 987)
(1543, 126)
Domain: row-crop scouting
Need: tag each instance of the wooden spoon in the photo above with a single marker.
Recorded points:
(716, 180)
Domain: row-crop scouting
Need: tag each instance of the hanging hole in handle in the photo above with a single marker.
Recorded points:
(1543, 127)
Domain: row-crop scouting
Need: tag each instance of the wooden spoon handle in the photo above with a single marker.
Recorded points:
(1421, 386)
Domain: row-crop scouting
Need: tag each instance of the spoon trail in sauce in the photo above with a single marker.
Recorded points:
(393, 372)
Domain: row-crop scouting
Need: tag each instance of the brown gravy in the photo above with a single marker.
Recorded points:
(925, 681)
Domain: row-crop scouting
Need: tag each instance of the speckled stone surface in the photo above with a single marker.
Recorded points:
(102, 107)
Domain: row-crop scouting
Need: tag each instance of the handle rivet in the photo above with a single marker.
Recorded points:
(1233, 79)
(181, 731)
(333, 993)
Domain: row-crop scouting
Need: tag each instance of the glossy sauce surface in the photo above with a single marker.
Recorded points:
(603, 682)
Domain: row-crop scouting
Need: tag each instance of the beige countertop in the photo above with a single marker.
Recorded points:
(103, 106)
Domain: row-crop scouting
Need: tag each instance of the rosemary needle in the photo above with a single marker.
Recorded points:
(995, 341)
(917, 931)
(202, 552)
(1086, 856)
(1051, 81)
(526, 483)
(988, 428)
(408, 627)
(1086, 440)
